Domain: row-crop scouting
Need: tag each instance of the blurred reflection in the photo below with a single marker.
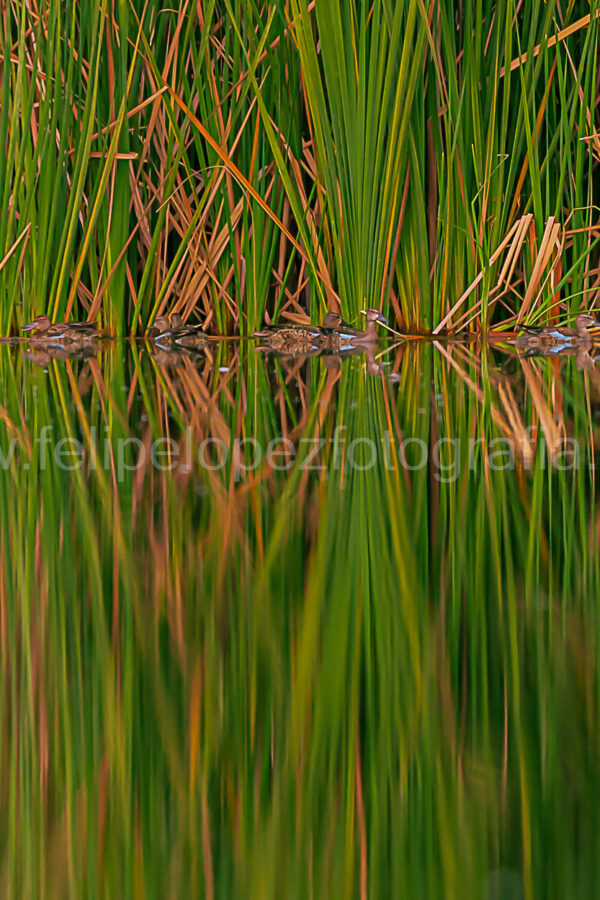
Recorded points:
(271, 625)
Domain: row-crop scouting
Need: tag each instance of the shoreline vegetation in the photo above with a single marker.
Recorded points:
(317, 624)
(239, 162)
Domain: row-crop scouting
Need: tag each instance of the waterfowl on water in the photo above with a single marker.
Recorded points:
(43, 331)
(161, 325)
(289, 341)
(333, 320)
(344, 336)
(307, 332)
(587, 328)
(279, 334)
(165, 325)
(298, 340)
(329, 338)
(189, 336)
(333, 334)
(171, 330)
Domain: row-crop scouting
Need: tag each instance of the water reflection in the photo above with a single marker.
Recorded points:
(289, 626)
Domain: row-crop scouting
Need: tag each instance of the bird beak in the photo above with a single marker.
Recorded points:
(29, 327)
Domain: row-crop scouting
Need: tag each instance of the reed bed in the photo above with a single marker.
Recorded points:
(341, 679)
(237, 161)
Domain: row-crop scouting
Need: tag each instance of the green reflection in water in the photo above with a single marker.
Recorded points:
(293, 628)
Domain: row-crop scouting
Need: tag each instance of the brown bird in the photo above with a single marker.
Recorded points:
(586, 329)
(43, 331)
(174, 332)
(345, 336)
(333, 320)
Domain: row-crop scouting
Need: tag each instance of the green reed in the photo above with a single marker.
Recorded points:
(235, 159)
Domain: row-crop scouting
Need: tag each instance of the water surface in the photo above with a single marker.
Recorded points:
(299, 627)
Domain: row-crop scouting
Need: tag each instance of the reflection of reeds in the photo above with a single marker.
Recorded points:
(542, 407)
(248, 682)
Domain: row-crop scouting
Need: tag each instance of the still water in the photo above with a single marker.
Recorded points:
(293, 628)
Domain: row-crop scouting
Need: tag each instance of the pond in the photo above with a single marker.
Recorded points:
(299, 627)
